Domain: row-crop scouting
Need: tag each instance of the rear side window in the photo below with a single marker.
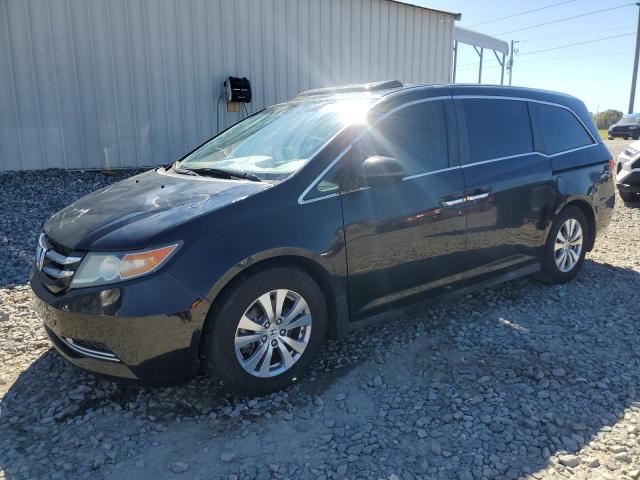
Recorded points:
(560, 129)
(416, 135)
(496, 128)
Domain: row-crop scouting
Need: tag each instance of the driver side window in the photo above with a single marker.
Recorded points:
(415, 135)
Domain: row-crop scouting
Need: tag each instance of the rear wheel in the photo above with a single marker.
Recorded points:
(626, 137)
(564, 251)
(265, 330)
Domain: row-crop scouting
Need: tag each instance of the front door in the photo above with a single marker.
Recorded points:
(406, 240)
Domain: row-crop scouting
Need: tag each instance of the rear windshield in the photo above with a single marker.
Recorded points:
(279, 140)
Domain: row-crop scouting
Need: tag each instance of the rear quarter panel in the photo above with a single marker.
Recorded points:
(584, 175)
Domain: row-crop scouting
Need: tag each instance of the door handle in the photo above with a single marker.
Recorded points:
(454, 202)
(480, 196)
(467, 198)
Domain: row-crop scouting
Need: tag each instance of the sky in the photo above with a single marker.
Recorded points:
(599, 73)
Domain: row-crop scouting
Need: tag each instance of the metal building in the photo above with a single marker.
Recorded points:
(121, 83)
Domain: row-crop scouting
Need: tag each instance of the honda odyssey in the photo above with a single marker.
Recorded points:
(311, 216)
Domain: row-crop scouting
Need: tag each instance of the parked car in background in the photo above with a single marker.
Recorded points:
(628, 173)
(627, 127)
(311, 216)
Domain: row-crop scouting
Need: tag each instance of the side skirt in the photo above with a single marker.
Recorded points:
(505, 277)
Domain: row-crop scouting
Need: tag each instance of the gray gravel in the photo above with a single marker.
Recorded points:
(519, 381)
(28, 199)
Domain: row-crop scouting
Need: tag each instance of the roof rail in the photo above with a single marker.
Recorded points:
(355, 87)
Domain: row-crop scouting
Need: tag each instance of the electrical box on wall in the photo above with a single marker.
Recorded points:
(238, 89)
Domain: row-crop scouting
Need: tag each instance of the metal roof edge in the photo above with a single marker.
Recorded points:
(456, 16)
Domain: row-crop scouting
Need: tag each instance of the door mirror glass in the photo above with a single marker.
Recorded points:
(378, 170)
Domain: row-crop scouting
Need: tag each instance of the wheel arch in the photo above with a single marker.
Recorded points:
(331, 284)
(586, 207)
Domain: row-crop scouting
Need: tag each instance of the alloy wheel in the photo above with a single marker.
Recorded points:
(273, 333)
(568, 245)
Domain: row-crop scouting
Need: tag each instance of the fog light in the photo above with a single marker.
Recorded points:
(109, 297)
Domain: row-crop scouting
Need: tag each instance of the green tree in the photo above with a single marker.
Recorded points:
(607, 118)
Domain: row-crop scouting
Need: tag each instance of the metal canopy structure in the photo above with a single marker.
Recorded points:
(480, 42)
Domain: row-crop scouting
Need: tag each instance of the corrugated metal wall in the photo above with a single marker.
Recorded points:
(116, 83)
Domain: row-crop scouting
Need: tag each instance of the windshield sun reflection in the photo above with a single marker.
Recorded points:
(349, 112)
(276, 142)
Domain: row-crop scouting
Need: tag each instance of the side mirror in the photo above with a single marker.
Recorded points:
(378, 170)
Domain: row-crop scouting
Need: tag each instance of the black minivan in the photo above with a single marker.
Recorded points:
(311, 216)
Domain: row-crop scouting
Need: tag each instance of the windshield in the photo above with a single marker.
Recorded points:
(278, 141)
(633, 119)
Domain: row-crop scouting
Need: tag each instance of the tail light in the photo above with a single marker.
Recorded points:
(612, 165)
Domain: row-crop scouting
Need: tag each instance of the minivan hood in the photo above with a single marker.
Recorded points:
(129, 214)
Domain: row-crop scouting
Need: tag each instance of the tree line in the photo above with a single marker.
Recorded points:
(606, 118)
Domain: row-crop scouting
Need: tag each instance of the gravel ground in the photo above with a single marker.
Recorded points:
(523, 380)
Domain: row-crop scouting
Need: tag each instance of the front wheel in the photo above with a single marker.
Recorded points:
(264, 330)
(610, 137)
(564, 251)
(628, 197)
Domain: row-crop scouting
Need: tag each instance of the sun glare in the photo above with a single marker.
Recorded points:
(349, 111)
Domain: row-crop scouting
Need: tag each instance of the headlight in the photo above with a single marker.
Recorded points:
(630, 152)
(104, 268)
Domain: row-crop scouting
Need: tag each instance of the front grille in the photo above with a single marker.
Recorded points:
(57, 262)
(58, 247)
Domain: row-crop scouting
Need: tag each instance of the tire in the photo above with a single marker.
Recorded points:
(628, 197)
(635, 137)
(610, 137)
(625, 137)
(242, 301)
(551, 272)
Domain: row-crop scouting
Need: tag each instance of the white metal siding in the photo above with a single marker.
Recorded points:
(118, 83)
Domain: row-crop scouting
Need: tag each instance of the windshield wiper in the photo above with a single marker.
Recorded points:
(220, 172)
(184, 171)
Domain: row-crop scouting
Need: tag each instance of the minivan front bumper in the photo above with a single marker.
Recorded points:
(146, 330)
